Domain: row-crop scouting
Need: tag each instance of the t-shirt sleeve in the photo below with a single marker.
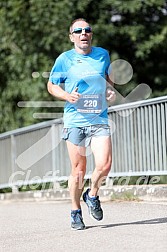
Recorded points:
(108, 64)
(57, 75)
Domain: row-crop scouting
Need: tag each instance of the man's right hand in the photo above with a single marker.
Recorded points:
(74, 96)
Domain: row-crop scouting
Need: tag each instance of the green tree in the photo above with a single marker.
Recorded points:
(34, 32)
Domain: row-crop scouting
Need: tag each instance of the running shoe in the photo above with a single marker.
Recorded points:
(93, 204)
(77, 220)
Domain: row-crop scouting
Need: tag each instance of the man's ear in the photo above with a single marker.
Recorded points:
(71, 37)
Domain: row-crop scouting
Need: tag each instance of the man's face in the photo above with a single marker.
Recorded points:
(81, 36)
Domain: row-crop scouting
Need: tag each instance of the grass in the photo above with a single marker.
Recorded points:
(124, 196)
(122, 181)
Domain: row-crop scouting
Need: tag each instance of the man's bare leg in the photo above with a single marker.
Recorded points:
(102, 150)
(78, 169)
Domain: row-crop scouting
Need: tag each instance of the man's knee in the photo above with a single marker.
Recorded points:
(103, 170)
(107, 169)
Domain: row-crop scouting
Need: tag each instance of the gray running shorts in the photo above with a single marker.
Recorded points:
(82, 135)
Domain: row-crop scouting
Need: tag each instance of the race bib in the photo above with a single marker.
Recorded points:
(90, 103)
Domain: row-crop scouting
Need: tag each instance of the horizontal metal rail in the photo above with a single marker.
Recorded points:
(36, 153)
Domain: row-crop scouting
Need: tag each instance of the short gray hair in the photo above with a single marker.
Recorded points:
(76, 20)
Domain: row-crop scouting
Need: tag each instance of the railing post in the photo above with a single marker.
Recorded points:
(56, 184)
(13, 158)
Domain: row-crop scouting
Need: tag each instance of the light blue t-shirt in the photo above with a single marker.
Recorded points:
(87, 72)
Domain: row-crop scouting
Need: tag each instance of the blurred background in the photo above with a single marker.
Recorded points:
(34, 32)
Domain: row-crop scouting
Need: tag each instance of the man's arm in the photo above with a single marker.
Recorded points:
(110, 94)
(109, 81)
(58, 92)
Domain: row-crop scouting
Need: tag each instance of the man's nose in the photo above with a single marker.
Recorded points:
(83, 31)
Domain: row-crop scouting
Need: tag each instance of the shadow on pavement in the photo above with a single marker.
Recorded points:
(144, 222)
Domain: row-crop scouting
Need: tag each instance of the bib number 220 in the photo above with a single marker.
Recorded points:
(90, 104)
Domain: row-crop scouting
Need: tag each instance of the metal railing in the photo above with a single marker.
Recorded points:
(140, 137)
(36, 154)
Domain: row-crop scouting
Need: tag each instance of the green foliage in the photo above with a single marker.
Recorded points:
(123, 196)
(34, 187)
(34, 32)
(140, 180)
(6, 190)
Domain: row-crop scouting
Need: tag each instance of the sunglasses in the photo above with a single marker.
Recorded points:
(79, 30)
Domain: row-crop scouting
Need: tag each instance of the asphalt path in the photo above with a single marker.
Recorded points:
(45, 227)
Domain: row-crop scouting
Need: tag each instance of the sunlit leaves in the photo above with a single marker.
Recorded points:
(34, 32)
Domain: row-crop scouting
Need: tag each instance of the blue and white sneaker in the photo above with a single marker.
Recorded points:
(77, 220)
(94, 207)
